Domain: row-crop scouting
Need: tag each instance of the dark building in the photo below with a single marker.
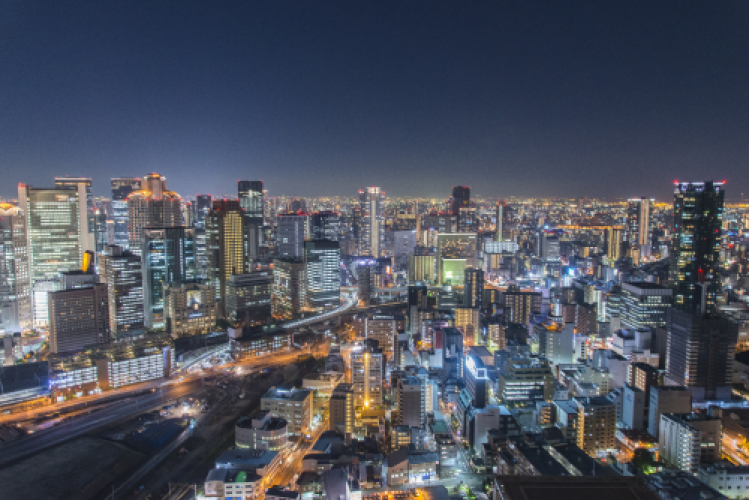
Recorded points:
(700, 353)
(461, 199)
(476, 380)
(251, 198)
(474, 288)
(695, 245)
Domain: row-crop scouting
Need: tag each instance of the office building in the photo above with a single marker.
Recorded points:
(323, 272)
(373, 222)
(596, 426)
(292, 405)
(667, 399)
(556, 341)
(473, 291)
(289, 288)
(455, 253)
(57, 237)
(382, 327)
(292, 228)
(151, 206)
(643, 305)
(411, 402)
(248, 297)
(689, 440)
(261, 432)
(695, 245)
(121, 271)
(121, 189)
(78, 317)
(367, 370)
(83, 186)
(501, 232)
(700, 353)
(325, 225)
(190, 308)
(525, 379)
(467, 320)
(548, 247)
(225, 245)
(168, 257)
(15, 285)
(251, 199)
(341, 417)
(726, 478)
(613, 236)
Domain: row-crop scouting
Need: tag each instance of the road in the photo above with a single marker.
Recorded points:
(733, 452)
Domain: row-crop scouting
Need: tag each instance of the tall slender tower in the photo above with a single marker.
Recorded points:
(372, 215)
(225, 244)
(695, 245)
(15, 290)
(152, 206)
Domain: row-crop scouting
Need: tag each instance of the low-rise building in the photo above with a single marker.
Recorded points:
(730, 480)
(293, 405)
(263, 432)
(406, 466)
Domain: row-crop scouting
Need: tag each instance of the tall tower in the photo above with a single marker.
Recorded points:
(499, 233)
(251, 198)
(57, 237)
(152, 206)
(372, 220)
(15, 289)
(121, 188)
(225, 244)
(639, 227)
(695, 245)
(461, 199)
(83, 185)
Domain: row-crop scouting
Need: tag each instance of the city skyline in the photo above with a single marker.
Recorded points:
(569, 100)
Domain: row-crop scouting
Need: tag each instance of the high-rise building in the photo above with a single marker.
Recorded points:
(342, 409)
(168, 257)
(526, 379)
(639, 227)
(203, 204)
(473, 288)
(15, 286)
(614, 243)
(367, 369)
(83, 185)
(667, 399)
(121, 188)
(596, 426)
(689, 440)
(695, 245)
(501, 232)
(372, 230)
(643, 305)
(78, 317)
(325, 225)
(251, 198)
(411, 402)
(225, 245)
(57, 235)
(700, 351)
(323, 261)
(293, 405)
(520, 303)
(292, 228)
(153, 205)
(476, 381)
(248, 297)
(289, 288)
(461, 198)
(121, 271)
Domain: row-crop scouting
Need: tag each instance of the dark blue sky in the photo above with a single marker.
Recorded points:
(529, 98)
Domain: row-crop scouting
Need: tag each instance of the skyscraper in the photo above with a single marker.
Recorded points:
(121, 188)
(83, 184)
(152, 206)
(289, 288)
(57, 236)
(639, 226)
(372, 221)
(325, 225)
(15, 288)
(700, 350)
(251, 198)
(461, 199)
(367, 369)
(695, 245)
(121, 270)
(323, 260)
(500, 230)
(168, 257)
(291, 232)
(225, 244)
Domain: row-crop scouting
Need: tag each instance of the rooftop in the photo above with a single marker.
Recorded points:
(573, 487)
(287, 393)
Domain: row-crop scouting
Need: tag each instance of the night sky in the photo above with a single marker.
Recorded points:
(558, 98)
